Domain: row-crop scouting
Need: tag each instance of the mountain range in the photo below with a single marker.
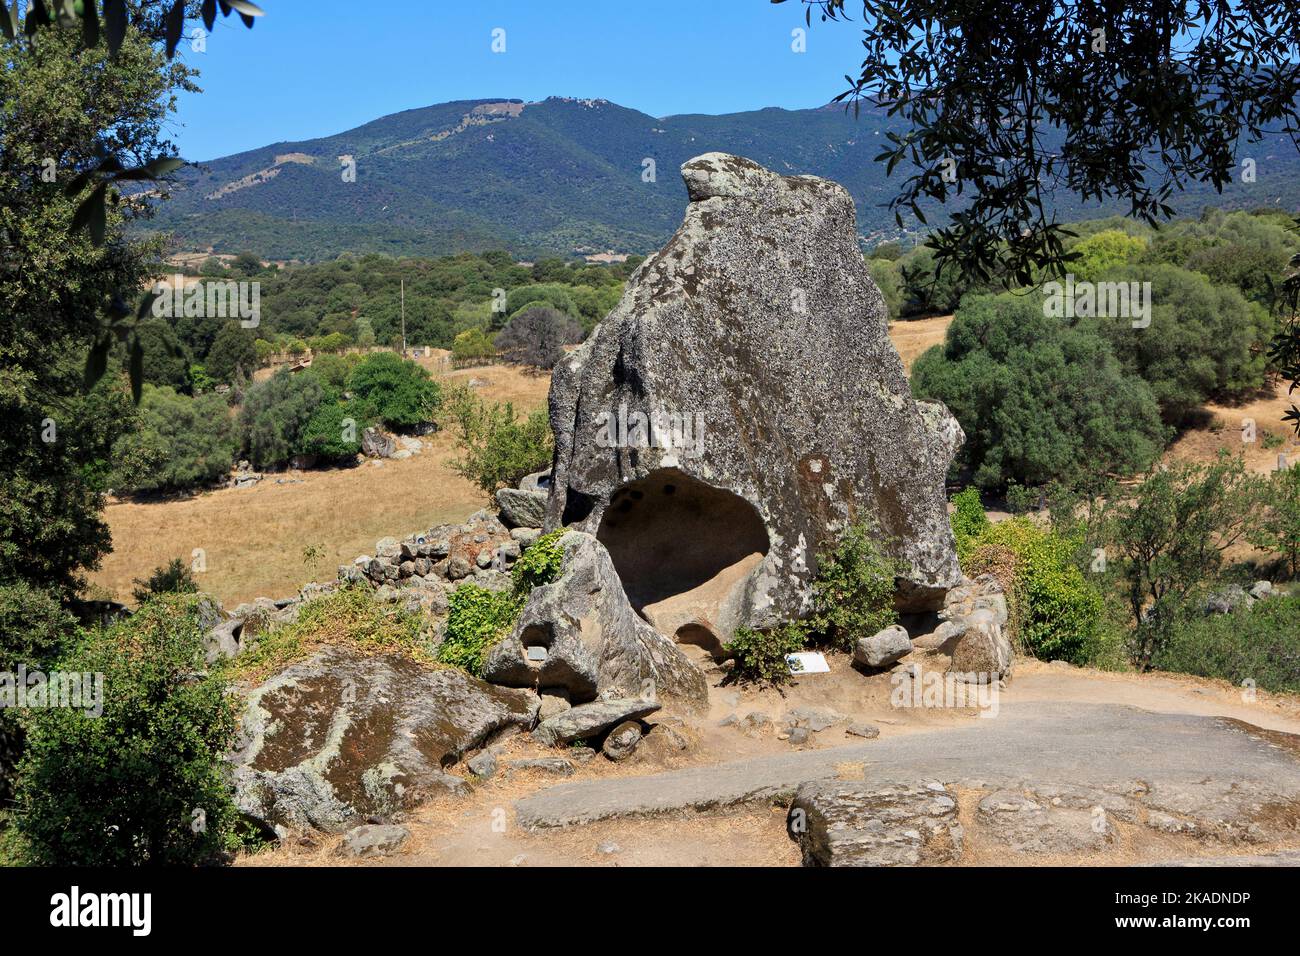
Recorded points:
(561, 177)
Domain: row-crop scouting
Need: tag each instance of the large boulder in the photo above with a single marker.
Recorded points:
(740, 406)
(521, 509)
(580, 633)
(344, 736)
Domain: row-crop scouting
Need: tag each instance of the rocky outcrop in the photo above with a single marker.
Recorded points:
(740, 406)
(345, 735)
(521, 509)
(974, 631)
(580, 633)
(854, 823)
(590, 720)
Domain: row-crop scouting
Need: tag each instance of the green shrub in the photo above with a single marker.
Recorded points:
(1278, 529)
(181, 443)
(395, 390)
(233, 351)
(276, 413)
(498, 448)
(476, 619)
(333, 431)
(1204, 340)
(853, 591)
(885, 274)
(472, 345)
(1167, 538)
(540, 564)
(171, 578)
(760, 655)
(1055, 611)
(143, 783)
(968, 519)
(1039, 399)
(34, 630)
(1260, 644)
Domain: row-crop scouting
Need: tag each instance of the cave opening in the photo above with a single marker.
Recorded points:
(681, 548)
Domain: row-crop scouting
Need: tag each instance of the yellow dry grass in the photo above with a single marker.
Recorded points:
(913, 337)
(254, 539)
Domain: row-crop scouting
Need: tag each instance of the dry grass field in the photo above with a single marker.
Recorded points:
(913, 337)
(256, 540)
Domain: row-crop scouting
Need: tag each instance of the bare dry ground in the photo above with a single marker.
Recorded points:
(481, 829)
(1223, 429)
(254, 539)
(913, 337)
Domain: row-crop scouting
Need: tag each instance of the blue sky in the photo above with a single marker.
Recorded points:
(314, 67)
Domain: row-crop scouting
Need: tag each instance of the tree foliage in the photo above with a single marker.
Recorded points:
(395, 390)
(536, 336)
(1039, 399)
(179, 443)
(144, 782)
(1001, 103)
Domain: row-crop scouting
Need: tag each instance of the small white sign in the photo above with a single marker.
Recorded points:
(536, 653)
(807, 662)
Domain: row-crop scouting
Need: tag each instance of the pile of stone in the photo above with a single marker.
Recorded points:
(972, 633)
(244, 476)
(1234, 596)
(478, 550)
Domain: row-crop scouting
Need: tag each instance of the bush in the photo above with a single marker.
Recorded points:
(1279, 521)
(334, 369)
(1168, 537)
(166, 358)
(276, 413)
(181, 443)
(1259, 644)
(968, 519)
(171, 578)
(553, 294)
(1103, 251)
(472, 345)
(885, 274)
(1055, 611)
(478, 618)
(760, 655)
(394, 390)
(540, 563)
(1204, 341)
(1039, 400)
(853, 591)
(924, 290)
(537, 337)
(144, 783)
(34, 629)
(498, 449)
(333, 431)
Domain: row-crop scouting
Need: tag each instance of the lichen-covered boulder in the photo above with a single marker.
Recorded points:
(343, 736)
(580, 633)
(740, 406)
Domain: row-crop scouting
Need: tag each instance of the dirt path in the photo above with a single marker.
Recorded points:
(1077, 723)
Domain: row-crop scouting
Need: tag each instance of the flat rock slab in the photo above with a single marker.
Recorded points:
(1219, 775)
(848, 823)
